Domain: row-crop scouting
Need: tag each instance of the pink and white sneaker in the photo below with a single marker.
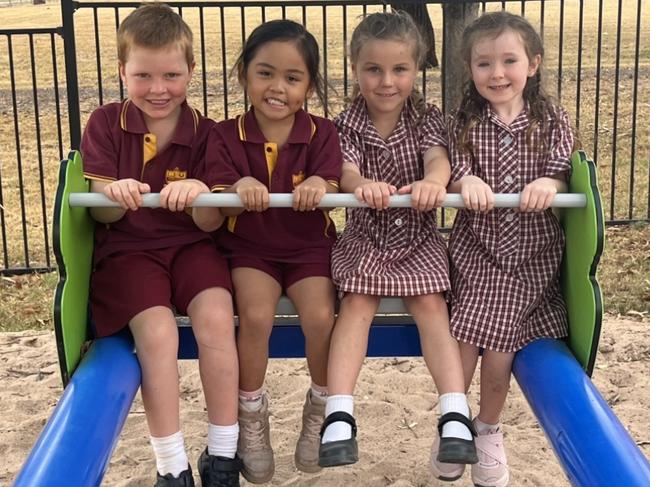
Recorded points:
(447, 472)
(492, 467)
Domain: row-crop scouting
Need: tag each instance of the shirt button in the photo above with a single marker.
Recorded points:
(509, 217)
(268, 149)
(508, 179)
(398, 222)
(506, 140)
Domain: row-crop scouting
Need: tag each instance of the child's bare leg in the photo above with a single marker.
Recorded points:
(257, 296)
(156, 342)
(492, 468)
(496, 368)
(439, 349)
(347, 351)
(469, 358)
(350, 342)
(316, 321)
(313, 298)
(442, 356)
(214, 329)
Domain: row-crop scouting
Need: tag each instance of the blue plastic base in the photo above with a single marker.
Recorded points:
(591, 444)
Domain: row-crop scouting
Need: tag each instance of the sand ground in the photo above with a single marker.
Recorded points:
(395, 409)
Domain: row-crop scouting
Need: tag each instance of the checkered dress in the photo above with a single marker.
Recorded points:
(395, 252)
(505, 264)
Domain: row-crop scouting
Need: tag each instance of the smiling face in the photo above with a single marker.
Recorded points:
(277, 82)
(385, 70)
(500, 69)
(156, 80)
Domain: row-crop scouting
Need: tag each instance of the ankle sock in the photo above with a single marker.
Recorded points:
(455, 402)
(222, 440)
(338, 430)
(485, 428)
(251, 401)
(318, 393)
(170, 454)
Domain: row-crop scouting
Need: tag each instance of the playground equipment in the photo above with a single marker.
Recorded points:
(75, 446)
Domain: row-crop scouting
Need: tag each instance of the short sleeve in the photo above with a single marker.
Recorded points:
(432, 130)
(461, 161)
(99, 150)
(561, 141)
(351, 147)
(325, 156)
(220, 171)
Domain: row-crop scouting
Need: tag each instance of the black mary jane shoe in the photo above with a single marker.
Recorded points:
(456, 450)
(341, 452)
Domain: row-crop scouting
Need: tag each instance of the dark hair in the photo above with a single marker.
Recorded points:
(394, 26)
(154, 25)
(492, 25)
(282, 31)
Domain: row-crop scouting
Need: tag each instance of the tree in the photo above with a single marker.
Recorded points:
(420, 14)
(456, 16)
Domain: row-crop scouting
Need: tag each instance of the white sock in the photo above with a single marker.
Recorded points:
(251, 401)
(338, 430)
(170, 454)
(222, 440)
(485, 428)
(455, 402)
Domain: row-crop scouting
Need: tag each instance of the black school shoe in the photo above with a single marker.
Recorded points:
(185, 479)
(341, 452)
(219, 471)
(456, 450)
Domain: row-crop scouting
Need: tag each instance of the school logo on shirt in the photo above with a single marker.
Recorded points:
(175, 175)
(296, 179)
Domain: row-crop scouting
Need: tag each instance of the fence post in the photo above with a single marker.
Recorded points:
(72, 82)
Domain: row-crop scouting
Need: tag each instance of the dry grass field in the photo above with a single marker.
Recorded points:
(30, 128)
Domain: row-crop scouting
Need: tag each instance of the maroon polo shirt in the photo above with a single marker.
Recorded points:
(116, 144)
(237, 148)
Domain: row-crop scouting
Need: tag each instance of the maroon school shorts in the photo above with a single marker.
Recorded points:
(127, 283)
(285, 273)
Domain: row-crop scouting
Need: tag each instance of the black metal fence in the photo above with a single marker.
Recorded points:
(597, 64)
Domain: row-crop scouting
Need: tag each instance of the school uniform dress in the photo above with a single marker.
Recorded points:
(398, 251)
(240, 149)
(505, 264)
(117, 145)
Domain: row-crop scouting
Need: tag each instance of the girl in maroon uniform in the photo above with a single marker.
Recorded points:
(277, 147)
(392, 142)
(506, 137)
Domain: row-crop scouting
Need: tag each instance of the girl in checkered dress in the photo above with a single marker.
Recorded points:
(393, 143)
(506, 137)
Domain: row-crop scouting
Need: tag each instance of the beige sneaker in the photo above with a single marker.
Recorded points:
(306, 456)
(254, 445)
(492, 467)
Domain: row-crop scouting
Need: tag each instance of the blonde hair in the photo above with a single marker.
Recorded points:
(154, 25)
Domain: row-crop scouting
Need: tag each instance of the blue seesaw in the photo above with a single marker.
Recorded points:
(102, 376)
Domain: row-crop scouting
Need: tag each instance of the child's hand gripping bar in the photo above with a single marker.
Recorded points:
(285, 200)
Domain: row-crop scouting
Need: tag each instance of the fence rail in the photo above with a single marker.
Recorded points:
(597, 65)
